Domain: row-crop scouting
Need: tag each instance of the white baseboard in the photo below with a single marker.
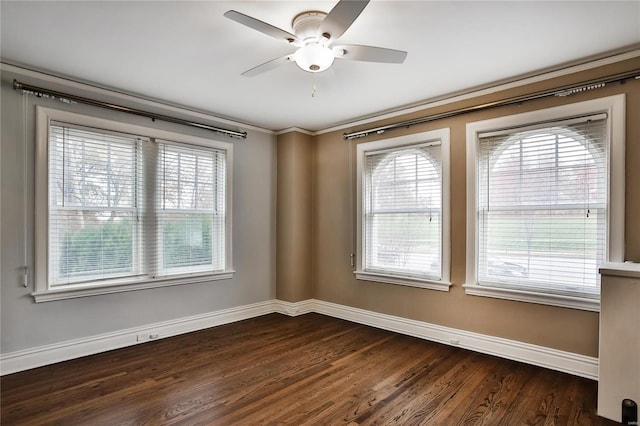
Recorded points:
(567, 362)
(49, 354)
(293, 309)
(579, 365)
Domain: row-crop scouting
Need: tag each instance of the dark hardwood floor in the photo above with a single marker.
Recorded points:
(310, 369)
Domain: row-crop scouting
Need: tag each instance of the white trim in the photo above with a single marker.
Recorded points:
(441, 136)
(618, 269)
(293, 309)
(294, 129)
(127, 97)
(567, 362)
(560, 300)
(46, 114)
(63, 351)
(72, 292)
(403, 280)
(614, 106)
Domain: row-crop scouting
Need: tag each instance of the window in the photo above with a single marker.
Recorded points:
(541, 203)
(403, 218)
(121, 211)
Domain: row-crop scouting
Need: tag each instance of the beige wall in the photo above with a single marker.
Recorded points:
(293, 258)
(333, 280)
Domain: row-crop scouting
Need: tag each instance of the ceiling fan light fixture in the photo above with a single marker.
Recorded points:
(314, 57)
(315, 35)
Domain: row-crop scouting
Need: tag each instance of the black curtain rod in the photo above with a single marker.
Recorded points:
(563, 91)
(65, 97)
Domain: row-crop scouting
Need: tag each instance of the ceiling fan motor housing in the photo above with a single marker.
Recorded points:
(305, 25)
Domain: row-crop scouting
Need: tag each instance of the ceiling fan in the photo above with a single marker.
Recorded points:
(315, 35)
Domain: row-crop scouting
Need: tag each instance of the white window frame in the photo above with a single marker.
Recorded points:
(441, 136)
(614, 106)
(43, 292)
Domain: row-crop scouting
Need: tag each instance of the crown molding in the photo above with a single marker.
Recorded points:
(295, 129)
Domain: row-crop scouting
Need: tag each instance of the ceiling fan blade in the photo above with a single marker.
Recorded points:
(340, 18)
(356, 52)
(268, 66)
(261, 26)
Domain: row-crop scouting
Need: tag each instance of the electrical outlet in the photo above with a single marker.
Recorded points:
(146, 336)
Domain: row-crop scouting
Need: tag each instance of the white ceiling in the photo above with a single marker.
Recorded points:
(188, 53)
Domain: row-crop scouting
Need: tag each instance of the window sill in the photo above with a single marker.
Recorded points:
(402, 280)
(72, 292)
(621, 269)
(573, 302)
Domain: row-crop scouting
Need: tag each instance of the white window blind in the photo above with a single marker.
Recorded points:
(94, 206)
(125, 208)
(402, 209)
(191, 209)
(542, 207)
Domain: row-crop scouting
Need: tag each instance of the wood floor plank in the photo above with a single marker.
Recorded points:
(306, 370)
(426, 392)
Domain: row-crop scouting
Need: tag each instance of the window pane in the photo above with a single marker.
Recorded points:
(404, 242)
(89, 244)
(91, 169)
(191, 212)
(547, 248)
(186, 240)
(93, 207)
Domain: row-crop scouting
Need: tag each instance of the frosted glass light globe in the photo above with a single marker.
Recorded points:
(314, 57)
